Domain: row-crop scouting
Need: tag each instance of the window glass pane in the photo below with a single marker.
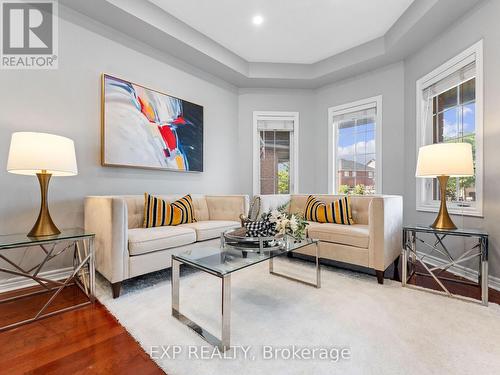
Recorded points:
(275, 161)
(267, 157)
(360, 127)
(346, 143)
(345, 173)
(370, 127)
(468, 91)
(469, 118)
(283, 177)
(468, 184)
(355, 152)
(267, 185)
(283, 162)
(369, 142)
(456, 123)
(447, 99)
(447, 125)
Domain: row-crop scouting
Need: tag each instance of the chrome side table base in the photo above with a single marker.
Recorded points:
(412, 257)
(83, 274)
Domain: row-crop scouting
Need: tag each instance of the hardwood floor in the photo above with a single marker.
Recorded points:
(88, 340)
(471, 291)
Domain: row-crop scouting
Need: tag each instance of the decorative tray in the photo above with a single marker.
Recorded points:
(237, 239)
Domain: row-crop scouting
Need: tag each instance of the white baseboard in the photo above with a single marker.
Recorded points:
(63, 273)
(459, 270)
(19, 282)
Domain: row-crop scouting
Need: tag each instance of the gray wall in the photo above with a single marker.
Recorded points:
(67, 102)
(388, 82)
(301, 101)
(482, 22)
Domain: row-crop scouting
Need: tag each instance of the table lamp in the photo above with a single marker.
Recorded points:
(444, 160)
(43, 155)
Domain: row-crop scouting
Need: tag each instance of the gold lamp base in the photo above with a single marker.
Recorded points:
(44, 225)
(443, 220)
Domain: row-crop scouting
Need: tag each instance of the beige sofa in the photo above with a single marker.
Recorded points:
(124, 249)
(374, 241)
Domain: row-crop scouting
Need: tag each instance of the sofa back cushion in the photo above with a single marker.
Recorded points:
(226, 207)
(135, 207)
(360, 204)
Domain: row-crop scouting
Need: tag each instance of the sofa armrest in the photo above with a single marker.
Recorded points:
(227, 207)
(385, 220)
(107, 218)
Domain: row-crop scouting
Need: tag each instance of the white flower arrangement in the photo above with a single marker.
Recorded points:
(286, 223)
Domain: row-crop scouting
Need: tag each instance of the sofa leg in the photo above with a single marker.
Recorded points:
(396, 269)
(380, 276)
(116, 287)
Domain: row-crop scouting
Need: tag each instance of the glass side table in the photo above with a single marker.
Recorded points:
(412, 235)
(50, 247)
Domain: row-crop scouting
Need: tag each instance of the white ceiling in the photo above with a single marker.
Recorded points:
(293, 31)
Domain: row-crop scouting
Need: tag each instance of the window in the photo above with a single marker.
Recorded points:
(449, 109)
(354, 147)
(275, 152)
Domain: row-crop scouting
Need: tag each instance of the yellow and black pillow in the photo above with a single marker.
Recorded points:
(158, 212)
(337, 212)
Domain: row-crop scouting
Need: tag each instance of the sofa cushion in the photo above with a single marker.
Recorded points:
(159, 212)
(135, 207)
(336, 212)
(360, 204)
(356, 235)
(206, 230)
(146, 240)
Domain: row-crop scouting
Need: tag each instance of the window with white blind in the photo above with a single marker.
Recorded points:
(355, 147)
(275, 150)
(449, 109)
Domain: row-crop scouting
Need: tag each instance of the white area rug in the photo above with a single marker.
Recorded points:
(388, 329)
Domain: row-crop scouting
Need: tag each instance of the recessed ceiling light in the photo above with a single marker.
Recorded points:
(257, 20)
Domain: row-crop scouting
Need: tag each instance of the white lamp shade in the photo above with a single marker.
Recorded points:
(30, 153)
(445, 159)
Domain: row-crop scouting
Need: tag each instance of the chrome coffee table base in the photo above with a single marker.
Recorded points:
(224, 342)
(83, 274)
(316, 284)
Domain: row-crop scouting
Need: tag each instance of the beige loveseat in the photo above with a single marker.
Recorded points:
(374, 241)
(124, 249)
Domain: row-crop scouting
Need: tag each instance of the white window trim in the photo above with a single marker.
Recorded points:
(294, 152)
(473, 53)
(351, 107)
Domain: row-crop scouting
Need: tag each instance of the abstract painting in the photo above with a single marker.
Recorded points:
(145, 128)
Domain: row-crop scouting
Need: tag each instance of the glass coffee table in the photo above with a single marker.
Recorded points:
(222, 261)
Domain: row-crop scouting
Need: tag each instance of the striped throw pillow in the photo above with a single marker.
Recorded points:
(337, 212)
(158, 212)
